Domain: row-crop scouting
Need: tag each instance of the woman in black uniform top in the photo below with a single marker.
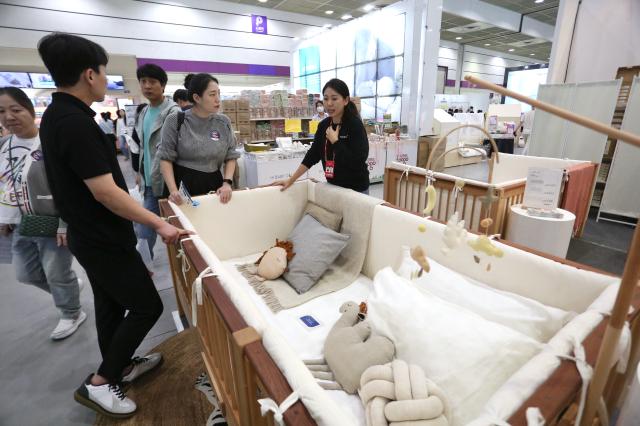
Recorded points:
(340, 143)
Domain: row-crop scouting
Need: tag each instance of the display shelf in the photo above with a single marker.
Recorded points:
(280, 118)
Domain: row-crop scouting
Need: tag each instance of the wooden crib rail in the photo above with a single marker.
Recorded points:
(240, 368)
(406, 189)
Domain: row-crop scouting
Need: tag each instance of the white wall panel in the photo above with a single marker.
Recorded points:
(622, 192)
(596, 101)
(556, 137)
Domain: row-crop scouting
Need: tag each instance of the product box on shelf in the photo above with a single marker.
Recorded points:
(229, 106)
(242, 105)
(233, 117)
(243, 116)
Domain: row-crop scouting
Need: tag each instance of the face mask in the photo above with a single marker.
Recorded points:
(320, 109)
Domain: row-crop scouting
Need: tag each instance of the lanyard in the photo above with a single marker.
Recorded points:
(326, 147)
(326, 151)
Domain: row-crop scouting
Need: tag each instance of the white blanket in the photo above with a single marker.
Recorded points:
(308, 342)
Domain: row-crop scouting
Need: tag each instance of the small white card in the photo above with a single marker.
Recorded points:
(284, 142)
(542, 190)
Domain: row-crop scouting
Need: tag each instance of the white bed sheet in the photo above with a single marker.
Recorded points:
(307, 342)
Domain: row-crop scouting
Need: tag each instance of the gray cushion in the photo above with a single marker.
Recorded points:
(328, 218)
(316, 247)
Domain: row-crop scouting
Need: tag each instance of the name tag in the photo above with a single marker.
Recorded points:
(328, 169)
(215, 135)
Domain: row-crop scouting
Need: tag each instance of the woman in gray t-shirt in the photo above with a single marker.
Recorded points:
(196, 143)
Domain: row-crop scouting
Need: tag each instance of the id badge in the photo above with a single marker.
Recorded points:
(328, 169)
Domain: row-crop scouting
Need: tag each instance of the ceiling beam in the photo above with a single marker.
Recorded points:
(500, 17)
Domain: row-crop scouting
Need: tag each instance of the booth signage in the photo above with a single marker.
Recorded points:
(259, 24)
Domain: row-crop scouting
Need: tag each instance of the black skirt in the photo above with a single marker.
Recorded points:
(196, 182)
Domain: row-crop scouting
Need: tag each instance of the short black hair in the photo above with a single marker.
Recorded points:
(199, 83)
(152, 71)
(180, 95)
(20, 97)
(67, 56)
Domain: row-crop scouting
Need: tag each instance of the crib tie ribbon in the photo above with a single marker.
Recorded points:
(183, 257)
(534, 417)
(268, 404)
(196, 293)
(584, 369)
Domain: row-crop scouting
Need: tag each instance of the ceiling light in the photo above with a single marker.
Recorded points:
(532, 54)
(487, 44)
(511, 50)
(458, 38)
(329, 12)
(263, 1)
(368, 7)
(346, 16)
(539, 1)
(526, 67)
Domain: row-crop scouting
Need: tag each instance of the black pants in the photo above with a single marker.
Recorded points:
(196, 182)
(135, 162)
(120, 282)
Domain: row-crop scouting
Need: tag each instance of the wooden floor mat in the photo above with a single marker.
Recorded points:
(167, 396)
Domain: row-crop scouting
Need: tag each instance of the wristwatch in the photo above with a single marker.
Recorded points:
(229, 181)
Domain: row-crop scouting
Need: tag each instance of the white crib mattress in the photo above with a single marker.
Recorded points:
(305, 341)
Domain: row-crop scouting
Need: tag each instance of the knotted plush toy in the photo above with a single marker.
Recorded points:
(350, 349)
(398, 393)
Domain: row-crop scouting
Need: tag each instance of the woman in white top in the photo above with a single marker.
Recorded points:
(42, 261)
(121, 131)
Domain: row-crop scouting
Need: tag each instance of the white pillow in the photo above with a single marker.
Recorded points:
(466, 355)
(528, 316)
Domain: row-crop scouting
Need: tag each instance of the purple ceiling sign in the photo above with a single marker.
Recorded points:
(176, 65)
(259, 24)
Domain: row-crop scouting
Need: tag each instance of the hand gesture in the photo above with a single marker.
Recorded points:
(333, 135)
(170, 234)
(224, 192)
(175, 197)
(61, 239)
(284, 183)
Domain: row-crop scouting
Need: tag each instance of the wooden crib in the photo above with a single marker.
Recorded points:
(242, 371)
(405, 187)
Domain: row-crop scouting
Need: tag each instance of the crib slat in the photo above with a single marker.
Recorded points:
(473, 210)
(446, 215)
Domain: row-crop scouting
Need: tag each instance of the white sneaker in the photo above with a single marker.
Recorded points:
(66, 327)
(108, 399)
(142, 365)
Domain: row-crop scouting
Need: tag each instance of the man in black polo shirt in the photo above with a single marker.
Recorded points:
(92, 197)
